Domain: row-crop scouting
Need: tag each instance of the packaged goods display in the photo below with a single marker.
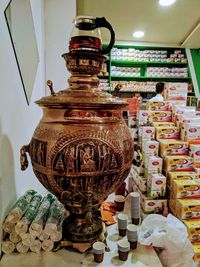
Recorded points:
(176, 91)
(185, 189)
(163, 124)
(178, 163)
(160, 106)
(195, 154)
(188, 208)
(134, 86)
(173, 147)
(153, 164)
(147, 55)
(167, 72)
(181, 176)
(125, 71)
(190, 132)
(104, 85)
(150, 147)
(160, 116)
(193, 227)
(152, 205)
(167, 133)
(156, 185)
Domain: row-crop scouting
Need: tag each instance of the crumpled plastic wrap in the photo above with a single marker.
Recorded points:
(169, 234)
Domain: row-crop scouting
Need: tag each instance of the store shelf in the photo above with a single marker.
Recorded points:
(148, 63)
(145, 78)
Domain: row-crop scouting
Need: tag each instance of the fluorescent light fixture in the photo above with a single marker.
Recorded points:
(138, 34)
(166, 2)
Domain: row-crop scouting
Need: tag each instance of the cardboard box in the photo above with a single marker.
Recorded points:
(173, 147)
(148, 133)
(150, 148)
(196, 249)
(156, 185)
(193, 228)
(160, 106)
(176, 91)
(178, 163)
(152, 205)
(161, 124)
(195, 154)
(181, 176)
(153, 164)
(167, 133)
(186, 189)
(143, 117)
(188, 208)
(190, 132)
(160, 116)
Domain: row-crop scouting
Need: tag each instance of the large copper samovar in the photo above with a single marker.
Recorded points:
(81, 149)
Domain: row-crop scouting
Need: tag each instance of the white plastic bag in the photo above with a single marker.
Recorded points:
(170, 234)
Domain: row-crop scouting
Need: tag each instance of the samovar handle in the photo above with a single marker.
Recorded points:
(23, 157)
(50, 85)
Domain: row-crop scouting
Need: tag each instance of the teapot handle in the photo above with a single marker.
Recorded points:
(103, 23)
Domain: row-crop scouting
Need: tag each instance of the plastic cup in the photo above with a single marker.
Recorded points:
(98, 250)
(120, 202)
(123, 249)
(132, 235)
(122, 220)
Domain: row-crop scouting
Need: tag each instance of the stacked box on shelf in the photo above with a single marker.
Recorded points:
(185, 186)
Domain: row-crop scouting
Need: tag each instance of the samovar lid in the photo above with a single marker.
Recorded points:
(84, 99)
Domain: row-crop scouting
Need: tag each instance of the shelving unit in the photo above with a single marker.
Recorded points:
(157, 57)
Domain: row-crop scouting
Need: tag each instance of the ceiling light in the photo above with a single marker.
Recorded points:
(166, 2)
(138, 34)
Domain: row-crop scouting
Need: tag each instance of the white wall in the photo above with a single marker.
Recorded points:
(17, 119)
(58, 26)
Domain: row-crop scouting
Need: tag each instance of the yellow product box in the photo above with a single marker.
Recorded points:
(167, 133)
(173, 147)
(178, 163)
(160, 116)
(181, 176)
(187, 189)
(160, 106)
(195, 154)
(190, 132)
(193, 228)
(187, 208)
(152, 205)
(196, 248)
(161, 124)
(150, 147)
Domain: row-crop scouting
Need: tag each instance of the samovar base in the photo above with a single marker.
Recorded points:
(82, 230)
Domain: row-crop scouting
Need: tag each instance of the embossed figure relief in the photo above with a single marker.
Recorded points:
(128, 148)
(85, 156)
(75, 114)
(38, 151)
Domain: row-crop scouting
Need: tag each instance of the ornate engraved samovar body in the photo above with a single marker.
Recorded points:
(81, 149)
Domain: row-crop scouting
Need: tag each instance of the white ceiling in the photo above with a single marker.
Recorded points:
(176, 25)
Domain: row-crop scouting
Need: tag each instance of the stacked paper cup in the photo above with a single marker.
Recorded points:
(135, 207)
(132, 235)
